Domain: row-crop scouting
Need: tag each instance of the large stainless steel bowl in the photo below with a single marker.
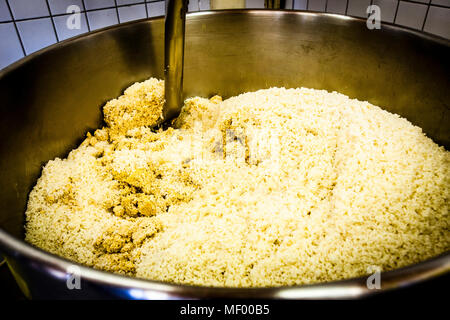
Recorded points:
(51, 98)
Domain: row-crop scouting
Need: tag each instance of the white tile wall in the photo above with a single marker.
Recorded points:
(102, 18)
(23, 9)
(445, 3)
(156, 9)
(438, 22)
(36, 34)
(60, 6)
(64, 32)
(317, 5)
(289, 4)
(205, 5)
(10, 48)
(358, 8)
(39, 31)
(300, 4)
(133, 12)
(98, 4)
(387, 8)
(4, 11)
(337, 6)
(121, 2)
(193, 6)
(256, 4)
(411, 14)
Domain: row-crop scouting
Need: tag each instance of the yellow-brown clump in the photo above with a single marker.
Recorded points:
(141, 105)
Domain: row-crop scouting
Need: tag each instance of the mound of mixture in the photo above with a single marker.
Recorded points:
(268, 188)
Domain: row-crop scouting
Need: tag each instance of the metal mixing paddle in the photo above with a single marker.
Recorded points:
(174, 54)
(174, 57)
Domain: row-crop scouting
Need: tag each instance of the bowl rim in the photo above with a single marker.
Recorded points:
(150, 289)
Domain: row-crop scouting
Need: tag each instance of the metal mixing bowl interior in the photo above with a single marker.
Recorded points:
(51, 98)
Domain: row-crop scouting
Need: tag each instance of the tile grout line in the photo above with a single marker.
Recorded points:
(117, 11)
(17, 29)
(86, 16)
(396, 11)
(426, 17)
(53, 20)
(82, 11)
(146, 9)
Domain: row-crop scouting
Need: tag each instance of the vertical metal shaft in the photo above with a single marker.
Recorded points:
(274, 4)
(174, 57)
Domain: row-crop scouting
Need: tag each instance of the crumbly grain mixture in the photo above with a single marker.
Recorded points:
(273, 187)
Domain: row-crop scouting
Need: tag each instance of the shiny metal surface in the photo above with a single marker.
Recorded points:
(51, 98)
(174, 57)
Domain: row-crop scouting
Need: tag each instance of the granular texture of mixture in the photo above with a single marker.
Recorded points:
(268, 188)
